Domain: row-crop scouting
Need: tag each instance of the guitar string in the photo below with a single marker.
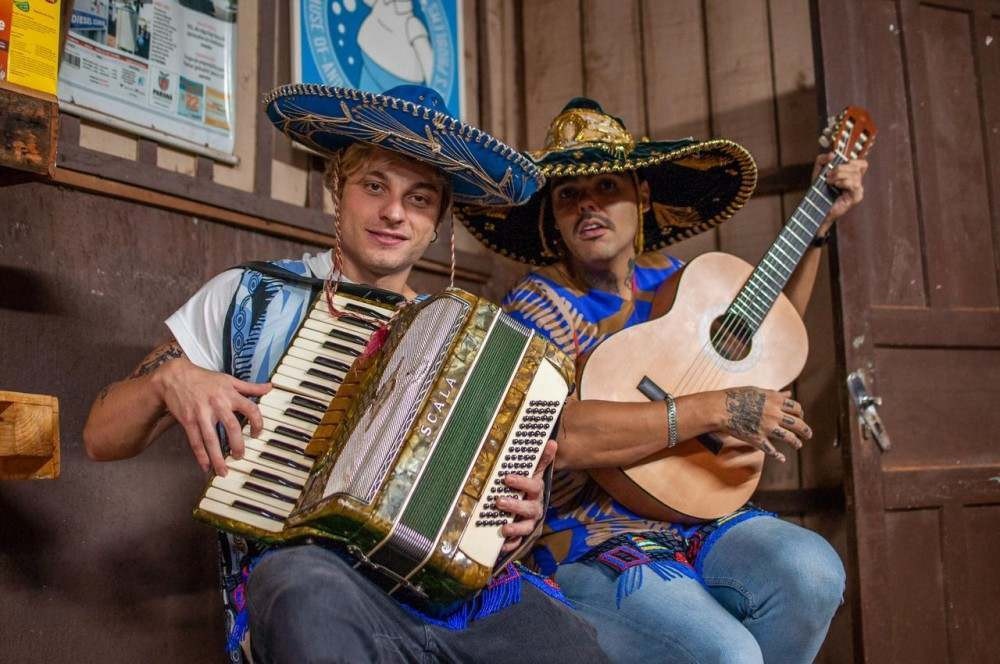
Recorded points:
(732, 343)
(711, 371)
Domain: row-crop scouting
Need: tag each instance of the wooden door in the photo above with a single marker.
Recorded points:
(917, 273)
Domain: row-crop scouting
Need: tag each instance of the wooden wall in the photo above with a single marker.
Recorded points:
(105, 564)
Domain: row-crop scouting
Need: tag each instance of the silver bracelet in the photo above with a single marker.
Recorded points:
(672, 434)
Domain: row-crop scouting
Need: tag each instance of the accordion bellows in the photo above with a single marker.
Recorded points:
(412, 450)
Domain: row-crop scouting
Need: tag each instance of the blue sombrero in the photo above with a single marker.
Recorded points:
(411, 120)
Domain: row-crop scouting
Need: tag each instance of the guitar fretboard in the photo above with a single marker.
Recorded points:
(771, 275)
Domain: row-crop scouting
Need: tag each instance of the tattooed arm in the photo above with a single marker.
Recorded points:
(606, 434)
(164, 389)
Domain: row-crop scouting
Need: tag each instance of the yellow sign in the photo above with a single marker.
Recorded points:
(29, 44)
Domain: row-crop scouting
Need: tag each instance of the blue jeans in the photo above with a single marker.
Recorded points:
(769, 591)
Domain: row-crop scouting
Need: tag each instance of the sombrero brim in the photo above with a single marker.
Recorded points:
(694, 186)
(484, 170)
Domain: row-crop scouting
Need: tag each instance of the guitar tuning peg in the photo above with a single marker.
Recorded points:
(824, 141)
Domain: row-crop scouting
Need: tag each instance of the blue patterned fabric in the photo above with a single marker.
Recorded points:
(583, 521)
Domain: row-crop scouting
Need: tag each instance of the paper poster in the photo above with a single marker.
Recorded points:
(165, 64)
(29, 43)
(375, 45)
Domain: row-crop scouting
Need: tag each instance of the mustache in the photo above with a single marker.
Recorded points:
(590, 217)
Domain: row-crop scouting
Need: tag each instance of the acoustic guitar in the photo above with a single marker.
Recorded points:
(718, 323)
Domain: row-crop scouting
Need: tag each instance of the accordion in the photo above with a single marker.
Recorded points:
(398, 448)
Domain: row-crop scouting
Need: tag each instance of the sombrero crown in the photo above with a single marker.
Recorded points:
(411, 120)
(694, 185)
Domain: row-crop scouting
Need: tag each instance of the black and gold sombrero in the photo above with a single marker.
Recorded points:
(694, 185)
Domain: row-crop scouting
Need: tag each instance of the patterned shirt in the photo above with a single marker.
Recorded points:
(581, 514)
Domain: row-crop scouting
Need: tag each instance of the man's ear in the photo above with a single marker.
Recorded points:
(644, 196)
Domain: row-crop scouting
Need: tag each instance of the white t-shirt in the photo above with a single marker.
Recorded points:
(198, 324)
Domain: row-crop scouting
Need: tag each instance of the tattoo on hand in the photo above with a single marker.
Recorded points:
(778, 433)
(104, 393)
(787, 421)
(160, 356)
(745, 406)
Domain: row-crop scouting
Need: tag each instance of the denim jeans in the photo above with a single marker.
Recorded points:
(308, 606)
(769, 591)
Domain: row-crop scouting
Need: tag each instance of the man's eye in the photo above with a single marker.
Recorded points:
(566, 194)
(419, 200)
(608, 185)
(374, 187)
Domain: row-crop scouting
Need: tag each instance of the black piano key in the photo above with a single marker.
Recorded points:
(341, 348)
(257, 488)
(317, 387)
(274, 458)
(357, 322)
(259, 511)
(331, 364)
(325, 375)
(277, 479)
(311, 404)
(366, 311)
(301, 415)
(292, 433)
(347, 336)
(282, 445)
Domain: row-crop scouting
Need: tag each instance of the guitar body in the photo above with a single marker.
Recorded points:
(689, 483)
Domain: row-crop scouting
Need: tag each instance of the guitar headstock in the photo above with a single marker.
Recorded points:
(850, 133)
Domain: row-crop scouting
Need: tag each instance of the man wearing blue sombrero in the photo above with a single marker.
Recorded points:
(396, 161)
(747, 587)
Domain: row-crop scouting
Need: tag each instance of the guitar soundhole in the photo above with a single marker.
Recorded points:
(732, 337)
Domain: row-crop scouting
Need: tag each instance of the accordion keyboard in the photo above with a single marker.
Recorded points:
(262, 488)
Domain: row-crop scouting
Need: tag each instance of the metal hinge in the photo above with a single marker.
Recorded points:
(867, 406)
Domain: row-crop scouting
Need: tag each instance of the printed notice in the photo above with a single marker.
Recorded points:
(29, 43)
(164, 64)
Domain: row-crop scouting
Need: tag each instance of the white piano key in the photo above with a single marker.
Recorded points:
(283, 400)
(296, 367)
(289, 455)
(282, 476)
(295, 423)
(299, 386)
(235, 480)
(320, 357)
(256, 458)
(308, 338)
(226, 510)
(254, 498)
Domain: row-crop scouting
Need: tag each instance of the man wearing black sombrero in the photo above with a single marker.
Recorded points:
(744, 588)
(396, 161)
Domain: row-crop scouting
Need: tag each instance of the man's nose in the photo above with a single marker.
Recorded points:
(393, 211)
(587, 202)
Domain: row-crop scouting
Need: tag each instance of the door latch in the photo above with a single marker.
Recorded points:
(867, 406)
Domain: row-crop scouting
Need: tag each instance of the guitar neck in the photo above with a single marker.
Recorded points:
(769, 278)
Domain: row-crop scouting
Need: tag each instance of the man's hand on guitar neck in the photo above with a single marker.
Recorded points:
(847, 178)
(762, 418)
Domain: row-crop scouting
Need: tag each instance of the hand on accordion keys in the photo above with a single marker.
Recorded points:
(530, 509)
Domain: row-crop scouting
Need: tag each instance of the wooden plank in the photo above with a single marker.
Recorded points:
(266, 133)
(69, 129)
(176, 184)
(800, 501)
(28, 130)
(916, 583)
(982, 550)
(612, 60)
(29, 436)
(794, 82)
(987, 40)
(936, 328)
(204, 168)
(553, 66)
(937, 404)
(950, 146)
(436, 260)
(145, 152)
(470, 60)
(921, 487)
(677, 87)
